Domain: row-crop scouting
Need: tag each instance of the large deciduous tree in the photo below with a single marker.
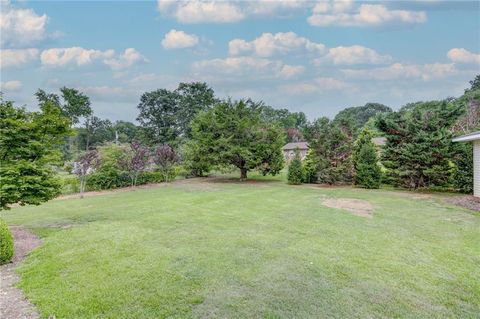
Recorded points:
(165, 115)
(29, 146)
(233, 133)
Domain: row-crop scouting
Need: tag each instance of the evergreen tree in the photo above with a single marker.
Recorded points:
(310, 165)
(367, 171)
(295, 170)
(463, 173)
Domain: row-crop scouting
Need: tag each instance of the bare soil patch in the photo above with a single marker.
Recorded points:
(467, 201)
(357, 207)
(13, 304)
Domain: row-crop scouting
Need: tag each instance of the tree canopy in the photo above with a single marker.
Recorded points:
(29, 144)
(233, 133)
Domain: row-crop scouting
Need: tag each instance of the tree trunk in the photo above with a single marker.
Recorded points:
(243, 173)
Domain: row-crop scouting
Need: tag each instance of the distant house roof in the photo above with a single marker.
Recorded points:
(467, 138)
(299, 145)
(379, 141)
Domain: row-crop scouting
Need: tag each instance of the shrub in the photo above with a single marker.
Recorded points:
(367, 172)
(295, 170)
(310, 166)
(6, 243)
(70, 184)
(463, 174)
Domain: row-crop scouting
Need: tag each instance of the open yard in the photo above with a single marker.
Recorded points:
(216, 248)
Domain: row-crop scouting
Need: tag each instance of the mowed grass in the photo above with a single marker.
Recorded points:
(259, 249)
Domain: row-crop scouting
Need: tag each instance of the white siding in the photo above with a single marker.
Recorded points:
(476, 168)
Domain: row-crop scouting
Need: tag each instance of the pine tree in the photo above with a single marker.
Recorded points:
(367, 171)
(310, 165)
(295, 170)
(463, 173)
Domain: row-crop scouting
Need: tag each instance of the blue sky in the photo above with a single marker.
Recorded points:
(312, 56)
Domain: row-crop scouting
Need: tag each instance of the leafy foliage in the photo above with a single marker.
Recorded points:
(419, 143)
(134, 161)
(332, 144)
(310, 165)
(165, 115)
(463, 173)
(6, 243)
(295, 170)
(360, 115)
(29, 145)
(233, 133)
(165, 158)
(367, 171)
(85, 165)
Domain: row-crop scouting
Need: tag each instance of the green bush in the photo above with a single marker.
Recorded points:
(310, 166)
(70, 184)
(463, 173)
(295, 170)
(6, 243)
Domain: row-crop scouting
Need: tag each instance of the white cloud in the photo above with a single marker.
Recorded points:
(11, 86)
(290, 71)
(395, 71)
(247, 67)
(269, 44)
(17, 58)
(320, 84)
(355, 54)
(125, 60)
(179, 40)
(463, 56)
(21, 27)
(218, 11)
(197, 11)
(366, 15)
(77, 56)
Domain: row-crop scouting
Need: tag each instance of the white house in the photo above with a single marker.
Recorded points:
(475, 139)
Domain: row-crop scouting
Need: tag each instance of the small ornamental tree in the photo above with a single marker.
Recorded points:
(135, 161)
(165, 158)
(85, 165)
(367, 171)
(29, 146)
(295, 170)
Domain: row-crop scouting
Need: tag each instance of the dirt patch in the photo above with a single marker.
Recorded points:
(357, 207)
(467, 201)
(13, 303)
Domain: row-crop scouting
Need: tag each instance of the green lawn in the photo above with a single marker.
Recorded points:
(251, 250)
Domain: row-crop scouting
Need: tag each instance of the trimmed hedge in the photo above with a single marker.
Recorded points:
(6, 243)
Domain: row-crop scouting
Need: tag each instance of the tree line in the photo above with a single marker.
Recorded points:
(192, 131)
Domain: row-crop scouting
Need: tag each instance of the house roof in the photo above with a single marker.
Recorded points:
(467, 138)
(379, 141)
(299, 145)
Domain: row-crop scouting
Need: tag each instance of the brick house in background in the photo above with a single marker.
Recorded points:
(289, 150)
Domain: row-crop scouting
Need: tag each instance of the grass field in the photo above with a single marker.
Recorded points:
(264, 249)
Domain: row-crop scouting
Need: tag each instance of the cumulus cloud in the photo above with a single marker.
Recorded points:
(355, 54)
(197, 11)
(319, 84)
(17, 58)
(248, 66)
(269, 44)
(463, 56)
(395, 71)
(179, 40)
(21, 27)
(77, 56)
(290, 71)
(129, 57)
(218, 11)
(11, 86)
(328, 14)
